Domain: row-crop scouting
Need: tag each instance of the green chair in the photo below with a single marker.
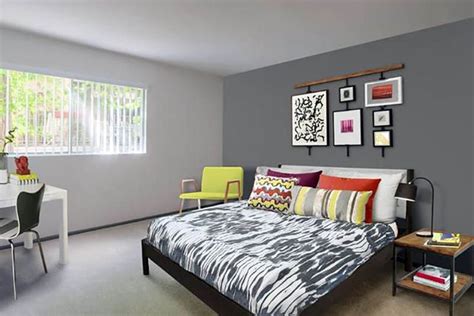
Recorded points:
(217, 184)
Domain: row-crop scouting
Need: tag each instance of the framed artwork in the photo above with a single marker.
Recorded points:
(383, 92)
(310, 119)
(383, 138)
(346, 94)
(347, 127)
(382, 118)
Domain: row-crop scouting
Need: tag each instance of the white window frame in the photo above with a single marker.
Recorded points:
(33, 150)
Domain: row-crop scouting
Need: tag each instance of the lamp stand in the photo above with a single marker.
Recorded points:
(427, 233)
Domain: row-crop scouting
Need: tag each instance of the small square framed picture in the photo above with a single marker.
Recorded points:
(346, 94)
(382, 118)
(347, 127)
(383, 138)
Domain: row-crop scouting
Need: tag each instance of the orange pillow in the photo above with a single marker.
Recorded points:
(352, 184)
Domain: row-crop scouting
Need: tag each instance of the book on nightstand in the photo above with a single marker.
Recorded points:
(434, 276)
(450, 240)
(446, 238)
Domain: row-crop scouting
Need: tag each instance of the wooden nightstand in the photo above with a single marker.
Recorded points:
(455, 291)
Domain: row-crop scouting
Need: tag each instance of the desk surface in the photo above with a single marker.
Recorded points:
(9, 193)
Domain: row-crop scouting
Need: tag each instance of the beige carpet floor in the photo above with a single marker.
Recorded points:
(104, 278)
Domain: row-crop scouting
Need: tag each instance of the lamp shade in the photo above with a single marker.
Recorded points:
(406, 192)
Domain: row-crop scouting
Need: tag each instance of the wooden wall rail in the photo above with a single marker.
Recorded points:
(351, 75)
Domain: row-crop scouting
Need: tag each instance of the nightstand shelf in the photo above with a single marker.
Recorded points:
(463, 283)
(456, 290)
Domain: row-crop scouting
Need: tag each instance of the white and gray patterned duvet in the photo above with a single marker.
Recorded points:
(270, 263)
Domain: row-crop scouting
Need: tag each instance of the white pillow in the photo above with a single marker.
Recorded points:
(263, 170)
(385, 205)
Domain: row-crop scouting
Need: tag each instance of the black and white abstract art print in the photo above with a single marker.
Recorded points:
(310, 119)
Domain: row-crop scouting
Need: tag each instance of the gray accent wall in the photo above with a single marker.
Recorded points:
(184, 133)
(433, 128)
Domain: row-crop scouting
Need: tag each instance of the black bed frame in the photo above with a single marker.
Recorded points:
(223, 305)
(206, 293)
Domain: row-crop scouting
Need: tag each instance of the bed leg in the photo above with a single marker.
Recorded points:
(146, 267)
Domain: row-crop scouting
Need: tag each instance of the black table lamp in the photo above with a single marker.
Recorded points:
(407, 192)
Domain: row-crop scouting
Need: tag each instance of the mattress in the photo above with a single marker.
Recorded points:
(270, 263)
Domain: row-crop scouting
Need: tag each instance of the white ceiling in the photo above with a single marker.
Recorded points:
(228, 36)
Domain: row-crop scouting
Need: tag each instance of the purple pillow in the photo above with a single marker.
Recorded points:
(309, 179)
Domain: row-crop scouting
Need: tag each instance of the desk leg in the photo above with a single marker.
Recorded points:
(28, 240)
(63, 234)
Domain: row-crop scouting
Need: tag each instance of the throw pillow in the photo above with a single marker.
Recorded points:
(308, 179)
(271, 193)
(341, 205)
(352, 184)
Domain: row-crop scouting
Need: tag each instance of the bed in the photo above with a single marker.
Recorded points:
(240, 260)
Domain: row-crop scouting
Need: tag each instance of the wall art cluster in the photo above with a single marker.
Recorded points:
(383, 93)
(310, 111)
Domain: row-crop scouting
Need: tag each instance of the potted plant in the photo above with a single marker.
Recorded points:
(8, 139)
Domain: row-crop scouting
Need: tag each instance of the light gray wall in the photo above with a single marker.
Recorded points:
(184, 133)
(433, 129)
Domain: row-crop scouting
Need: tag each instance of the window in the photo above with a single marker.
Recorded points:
(54, 115)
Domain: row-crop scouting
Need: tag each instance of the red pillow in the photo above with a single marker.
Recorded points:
(337, 183)
(309, 179)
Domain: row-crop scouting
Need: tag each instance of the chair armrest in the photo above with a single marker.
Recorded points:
(228, 187)
(186, 181)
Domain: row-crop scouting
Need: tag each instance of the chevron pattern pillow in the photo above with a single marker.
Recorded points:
(271, 193)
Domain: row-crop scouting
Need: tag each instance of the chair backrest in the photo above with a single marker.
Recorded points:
(214, 179)
(28, 206)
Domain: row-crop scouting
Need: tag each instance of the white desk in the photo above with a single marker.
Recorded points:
(8, 195)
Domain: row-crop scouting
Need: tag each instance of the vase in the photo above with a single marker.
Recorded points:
(3, 169)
